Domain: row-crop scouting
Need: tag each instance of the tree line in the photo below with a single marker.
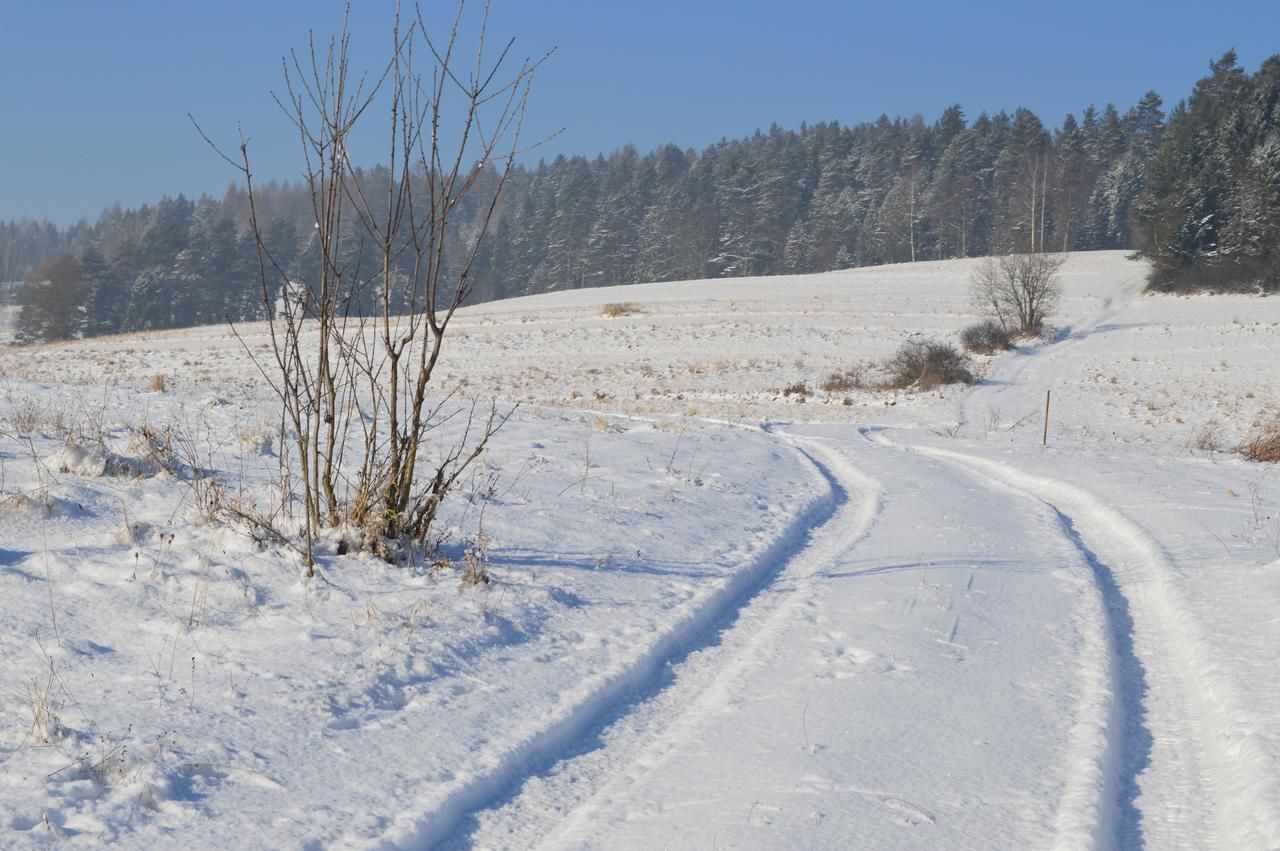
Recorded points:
(1209, 217)
(1199, 194)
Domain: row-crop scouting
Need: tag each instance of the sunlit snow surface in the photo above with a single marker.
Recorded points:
(720, 617)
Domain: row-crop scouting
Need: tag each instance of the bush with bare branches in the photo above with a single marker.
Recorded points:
(353, 352)
(926, 364)
(988, 337)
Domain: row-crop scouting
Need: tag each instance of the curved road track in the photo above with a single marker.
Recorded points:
(951, 653)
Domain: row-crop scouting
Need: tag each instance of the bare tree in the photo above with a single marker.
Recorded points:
(354, 351)
(1020, 291)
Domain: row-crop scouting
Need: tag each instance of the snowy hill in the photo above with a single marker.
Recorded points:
(721, 615)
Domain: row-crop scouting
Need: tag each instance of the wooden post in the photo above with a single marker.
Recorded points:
(1044, 441)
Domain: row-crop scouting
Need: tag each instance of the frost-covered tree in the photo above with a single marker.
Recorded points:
(52, 301)
(1208, 214)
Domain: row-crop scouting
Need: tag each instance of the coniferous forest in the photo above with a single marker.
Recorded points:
(1196, 191)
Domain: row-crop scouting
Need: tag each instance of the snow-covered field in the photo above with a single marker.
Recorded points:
(720, 616)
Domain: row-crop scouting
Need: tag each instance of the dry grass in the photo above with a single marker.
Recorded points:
(799, 390)
(615, 309)
(156, 447)
(46, 726)
(158, 383)
(1208, 438)
(845, 380)
(475, 561)
(1263, 442)
(26, 417)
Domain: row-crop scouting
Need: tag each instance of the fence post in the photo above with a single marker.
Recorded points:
(1044, 441)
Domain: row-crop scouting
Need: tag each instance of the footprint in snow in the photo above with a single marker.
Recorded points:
(842, 662)
(910, 814)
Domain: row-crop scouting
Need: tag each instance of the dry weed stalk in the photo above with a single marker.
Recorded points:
(1208, 438)
(46, 726)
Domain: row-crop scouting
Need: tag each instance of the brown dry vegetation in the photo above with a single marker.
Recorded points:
(615, 309)
(1263, 442)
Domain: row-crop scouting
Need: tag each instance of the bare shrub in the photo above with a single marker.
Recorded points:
(800, 390)
(986, 338)
(925, 364)
(854, 378)
(155, 447)
(1208, 438)
(1263, 442)
(1019, 291)
(475, 561)
(353, 352)
(613, 310)
(27, 417)
(46, 726)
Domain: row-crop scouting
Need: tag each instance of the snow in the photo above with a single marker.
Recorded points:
(718, 616)
(8, 321)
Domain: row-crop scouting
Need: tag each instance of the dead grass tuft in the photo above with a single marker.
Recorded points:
(1208, 438)
(615, 309)
(1263, 442)
(844, 381)
(475, 561)
(799, 390)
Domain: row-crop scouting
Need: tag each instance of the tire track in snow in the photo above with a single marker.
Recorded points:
(1111, 747)
(576, 730)
(708, 679)
(1096, 808)
(1207, 755)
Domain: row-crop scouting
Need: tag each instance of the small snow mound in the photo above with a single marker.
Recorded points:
(95, 461)
(36, 502)
(89, 461)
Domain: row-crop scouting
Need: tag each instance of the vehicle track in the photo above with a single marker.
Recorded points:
(565, 805)
(708, 678)
(1207, 782)
(542, 780)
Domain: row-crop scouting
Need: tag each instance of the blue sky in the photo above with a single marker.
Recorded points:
(95, 94)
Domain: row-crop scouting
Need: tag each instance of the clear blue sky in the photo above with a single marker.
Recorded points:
(95, 94)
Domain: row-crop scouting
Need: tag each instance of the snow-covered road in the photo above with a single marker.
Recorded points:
(890, 658)
(1003, 646)
(994, 659)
